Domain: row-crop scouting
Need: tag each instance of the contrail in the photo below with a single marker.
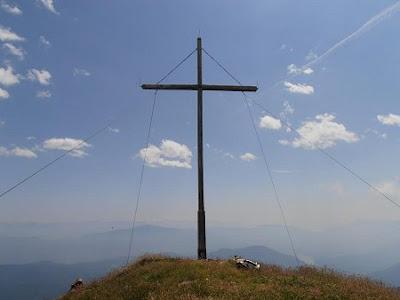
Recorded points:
(372, 22)
(386, 13)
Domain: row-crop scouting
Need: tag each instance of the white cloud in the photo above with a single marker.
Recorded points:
(4, 94)
(270, 123)
(2, 123)
(294, 70)
(44, 41)
(308, 71)
(18, 52)
(43, 94)
(114, 130)
(23, 152)
(11, 9)
(17, 151)
(81, 72)
(248, 156)
(49, 4)
(169, 154)
(8, 77)
(41, 76)
(6, 35)
(299, 88)
(67, 144)
(323, 132)
(390, 119)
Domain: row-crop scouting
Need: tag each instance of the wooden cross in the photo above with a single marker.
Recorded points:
(200, 87)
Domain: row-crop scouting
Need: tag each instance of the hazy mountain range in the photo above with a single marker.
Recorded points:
(48, 257)
(44, 280)
(352, 248)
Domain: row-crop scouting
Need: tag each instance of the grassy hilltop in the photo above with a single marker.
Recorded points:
(172, 278)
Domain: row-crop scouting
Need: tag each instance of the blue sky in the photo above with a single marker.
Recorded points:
(67, 67)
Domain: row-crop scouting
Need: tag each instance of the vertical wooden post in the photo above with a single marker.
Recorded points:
(201, 218)
(201, 215)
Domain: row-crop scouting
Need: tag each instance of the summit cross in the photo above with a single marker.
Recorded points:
(200, 87)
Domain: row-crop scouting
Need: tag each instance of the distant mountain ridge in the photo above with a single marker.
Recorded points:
(344, 249)
(49, 280)
(259, 253)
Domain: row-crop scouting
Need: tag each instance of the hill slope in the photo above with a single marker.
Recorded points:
(170, 278)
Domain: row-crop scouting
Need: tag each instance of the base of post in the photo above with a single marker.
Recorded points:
(201, 254)
(201, 227)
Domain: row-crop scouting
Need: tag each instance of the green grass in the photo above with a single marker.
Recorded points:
(156, 277)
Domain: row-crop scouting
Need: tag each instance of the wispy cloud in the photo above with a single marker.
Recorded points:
(41, 76)
(43, 94)
(285, 47)
(221, 152)
(294, 70)
(389, 119)
(80, 72)
(7, 35)
(67, 144)
(287, 109)
(11, 9)
(311, 55)
(298, 88)
(371, 23)
(45, 42)
(18, 52)
(113, 130)
(285, 113)
(376, 133)
(18, 152)
(49, 5)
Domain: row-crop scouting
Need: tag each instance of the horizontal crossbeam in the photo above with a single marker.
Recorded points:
(204, 87)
